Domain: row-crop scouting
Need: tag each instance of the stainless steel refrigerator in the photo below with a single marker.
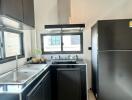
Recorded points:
(112, 59)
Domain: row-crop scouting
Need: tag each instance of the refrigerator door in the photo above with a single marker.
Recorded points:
(94, 41)
(115, 75)
(115, 35)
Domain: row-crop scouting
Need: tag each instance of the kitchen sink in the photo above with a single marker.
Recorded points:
(16, 77)
(21, 75)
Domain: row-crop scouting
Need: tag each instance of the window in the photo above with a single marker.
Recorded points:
(62, 43)
(52, 43)
(0, 45)
(55, 40)
(11, 44)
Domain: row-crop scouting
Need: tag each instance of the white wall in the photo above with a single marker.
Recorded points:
(27, 46)
(89, 11)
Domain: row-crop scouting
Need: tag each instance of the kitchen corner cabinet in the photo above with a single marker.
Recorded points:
(42, 91)
(20, 10)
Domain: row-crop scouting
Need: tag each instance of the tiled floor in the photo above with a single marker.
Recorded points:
(91, 96)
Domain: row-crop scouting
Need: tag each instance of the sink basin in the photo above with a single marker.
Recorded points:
(16, 77)
(65, 62)
(22, 75)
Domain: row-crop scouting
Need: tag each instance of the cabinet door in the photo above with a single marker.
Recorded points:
(42, 90)
(28, 7)
(68, 84)
(36, 93)
(47, 87)
(13, 9)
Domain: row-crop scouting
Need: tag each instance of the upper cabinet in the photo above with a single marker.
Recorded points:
(19, 10)
(13, 9)
(28, 7)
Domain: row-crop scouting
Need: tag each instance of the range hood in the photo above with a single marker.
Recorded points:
(6, 21)
(64, 28)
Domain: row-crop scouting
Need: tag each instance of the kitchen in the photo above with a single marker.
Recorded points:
(49, 12)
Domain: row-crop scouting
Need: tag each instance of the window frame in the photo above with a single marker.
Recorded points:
(1, 44)
(22, 55)
(62, 52)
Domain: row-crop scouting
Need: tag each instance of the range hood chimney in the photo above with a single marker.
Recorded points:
(64, 11)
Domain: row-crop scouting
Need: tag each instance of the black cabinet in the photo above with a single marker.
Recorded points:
(36, 93)
(46, 88)
(12, 8)
(28, 7)
(42, 91)
(19, 10)
(68, 82)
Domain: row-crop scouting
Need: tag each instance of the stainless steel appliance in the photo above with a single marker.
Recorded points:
(112, 59)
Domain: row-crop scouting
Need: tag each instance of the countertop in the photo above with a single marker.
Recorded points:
(79, 61)
(19, 88)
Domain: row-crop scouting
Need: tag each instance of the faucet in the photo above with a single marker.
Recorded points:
(16, 62)
(70, 57)
(76, 57)
(16, 71)
(51, 57)
(59, 57)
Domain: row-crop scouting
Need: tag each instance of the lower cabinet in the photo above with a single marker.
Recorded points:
(42, 91)
(68, 84)
(58, 82)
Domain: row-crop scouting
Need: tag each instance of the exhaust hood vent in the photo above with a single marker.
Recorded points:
(65, 28)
